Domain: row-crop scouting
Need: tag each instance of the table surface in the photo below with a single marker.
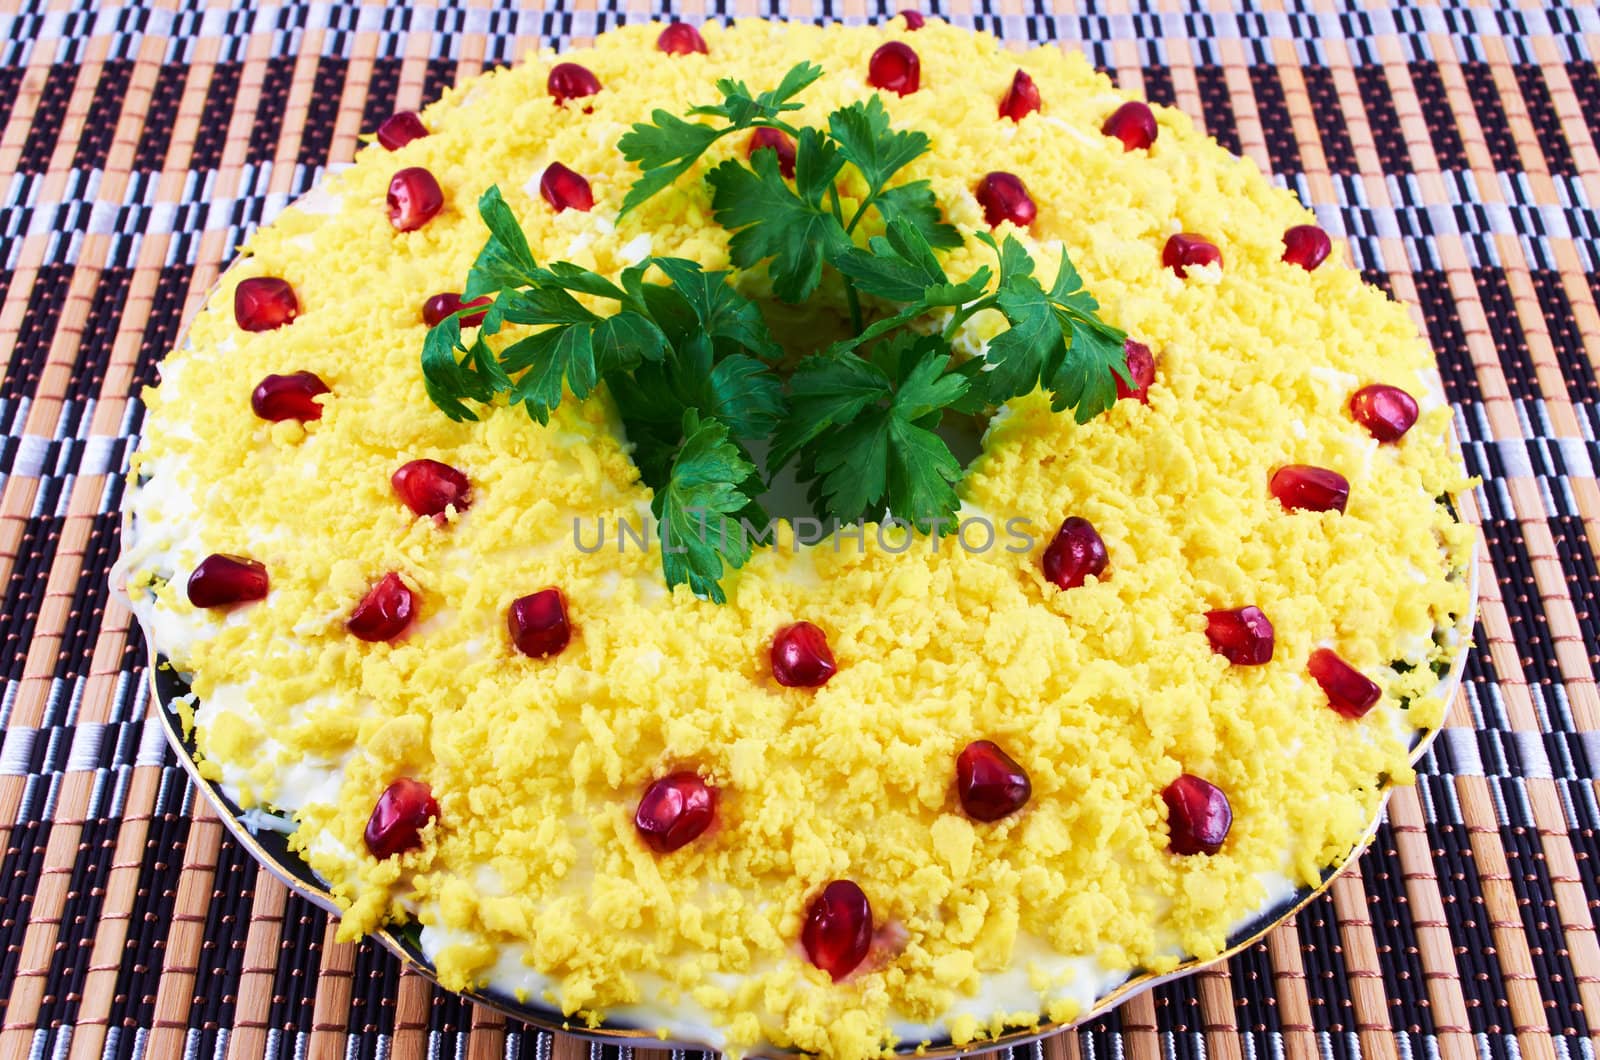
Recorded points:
(1455, 150)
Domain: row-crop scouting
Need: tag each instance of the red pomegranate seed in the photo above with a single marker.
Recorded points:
(1198, 815)
(1312, 489)
(914, 19)
(1306, 246)
(1133, 123)
(1184, 250)
(838, 929)
(680, 38)
(1350, 692)
(775, 140)
(565, 190)
(221, 579)
(675, 810)
(288, 397)
(1387, 412)
(400, 129)
(538, 623)
(990, 782)
(403, 811)
(895, 68)
(1004, 198)
(1142, 369)
(385, 612)
(1021, 99)
(801, 658)
(1243, 636)
(442, 305)
(571, 81)
(1076, 552)
(414, 198)
(262, 303)
(428, 487)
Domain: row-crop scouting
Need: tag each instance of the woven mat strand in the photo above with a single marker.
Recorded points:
(1456, 151)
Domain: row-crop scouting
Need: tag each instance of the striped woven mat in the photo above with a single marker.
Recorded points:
(1454, 148)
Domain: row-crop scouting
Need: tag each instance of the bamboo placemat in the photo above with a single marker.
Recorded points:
(1454, 148)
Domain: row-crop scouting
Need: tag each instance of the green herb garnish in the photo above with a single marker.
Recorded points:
(691, 363)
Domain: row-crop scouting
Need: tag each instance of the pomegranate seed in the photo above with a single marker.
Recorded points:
(385, 612)
(680, 38)
(800, 657)
(263, 303)
(222, 579)
(1306, 246)
(1133, 123)
(989, 781)
(429, 487)
(414, 198)
(1142, 369)
(675, 810)
(570, 81)
(1198, 815)
(403, 811)
(1076, 552)
(288, 397)
(538, 623)
(1021, 99)
(1350, 692)
(914, 19)
(400, 129)
(1184, 250)
(1004, 198)
(442, 305)
(895, 68)
(1243, 636)
(838, 929)
(1311, 489)
(1387, 412)
(565, 190)
(774, 140)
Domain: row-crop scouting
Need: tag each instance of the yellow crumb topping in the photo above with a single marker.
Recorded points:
(1104, 693)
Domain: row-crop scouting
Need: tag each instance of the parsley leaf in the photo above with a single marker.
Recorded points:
(865, 140)
(505, 260)
(769, 220)
(915, 204)
(722, 312)
(712, 485)
(669, 146)
(864, 431)
(1055, 339)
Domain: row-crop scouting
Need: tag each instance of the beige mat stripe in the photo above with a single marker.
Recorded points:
(1289, 989)
(1369, 1000)
(302, 85)
(1431, 925)
(248, 1037)
(176, 992)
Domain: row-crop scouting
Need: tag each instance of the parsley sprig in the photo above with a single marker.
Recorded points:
(691, 363)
